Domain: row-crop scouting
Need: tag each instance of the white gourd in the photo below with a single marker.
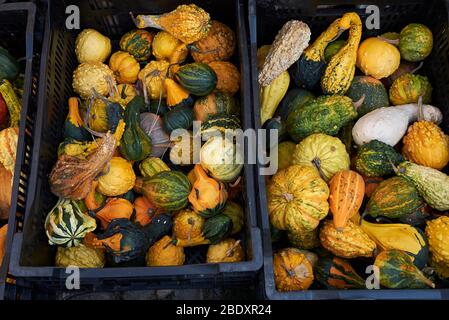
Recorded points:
(389, 124)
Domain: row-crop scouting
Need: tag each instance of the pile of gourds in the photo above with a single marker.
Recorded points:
(360, 158)
(124, 197)
(11, 91)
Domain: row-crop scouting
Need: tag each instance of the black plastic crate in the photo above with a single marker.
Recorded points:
(266, 17)
(21, 34)
(33, 258)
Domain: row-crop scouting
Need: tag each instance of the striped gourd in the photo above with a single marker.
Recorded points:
(151, 166)
(66, 225)
(137, 43)
(219, 123)
(394, 198)
(168, 190)
(337, 273)
(197, 78)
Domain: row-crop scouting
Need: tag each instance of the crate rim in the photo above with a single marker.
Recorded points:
(29, 46)
(267, 281)
(147, 273)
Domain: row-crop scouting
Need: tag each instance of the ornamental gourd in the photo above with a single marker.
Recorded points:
(408, 88)
(153, 126)
(432, 185)
(135, 144)
(287, 47)
(351, 242)
(92, 46)
(188, 23)
(437, 232)
(153, 76)
(125, 67)
(228, 76)
(270, 96)
(9, 67)
(214, 103)
(118, 180)
(221, 158)
(394, 198)
(326, 154)
(304, 239)
(165, 253)
(426, 144)
(165, 45)
(197, 78)
(145, 211)
(337, 273)
(399, 236)
(217, 228)
(151, 166)
(297, 199)
(177, 96)
(208, 196)
(114, 208)
(227, 250)
(180, 117)
(92, 75)
(285, 152)
(188, 229)
(292, 270)
(235, 212)
(168, 190)
(389, 125)
(81, 257)
(373, 92)
(137, 43)
(293, 99)
(73, 125)
(66, 225)
(397, 271)
(218, 45)
(219, 123)
(374, 159)
(347, 190)
(377, 58)
(123, 94)
(181, 152)
(415, 42)
(325, 114)
(341, 68)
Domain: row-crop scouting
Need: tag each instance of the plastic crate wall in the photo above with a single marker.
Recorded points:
(267, 17)
(33, 264)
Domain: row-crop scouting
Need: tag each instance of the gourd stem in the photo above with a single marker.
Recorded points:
(417, 68)
(289, 272)
(420, 109)
(357, 104)
(169, 244)
(192, 224)
(236, 182)
(317, 163)
(395, 169)
(393, 42)
(231, 250)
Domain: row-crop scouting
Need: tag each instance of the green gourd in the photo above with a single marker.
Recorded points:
(374, 159)
(293, 99)
(178, 118)
(217, 228)
(73, 125)
(9, 67)
(135, 144)
(337, 273)
(415, 42)
(373, 92)
(197, 78)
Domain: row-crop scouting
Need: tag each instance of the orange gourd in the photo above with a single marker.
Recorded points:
(115, 208)
(125, 67)
(292, 270)
(94, 199)
(208, 196)
(145, 211)
(347, 189)
(228, 76)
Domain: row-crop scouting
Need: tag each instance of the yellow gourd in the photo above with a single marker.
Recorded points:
(153, 76)
(92, 46)
(292, 270)
(164, 46)
(227, 250)
(118, 180)
(92, 75)
(271, 96)
(437, 232)
(165, 253)
(125, 67)
(340, 69)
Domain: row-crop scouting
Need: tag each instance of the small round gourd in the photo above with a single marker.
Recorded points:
(292, 270)
(437, 232)
(119, 179)
(378, 58)
(197, 78)
(125, 67)
(415, 42)
(92, 75)
(81, 257)
(408, 88)
(138, 43)
(214, 103)
(235, 212)
(92, 46)
(153, 75)
(178, 118)
(228, 76)
(374, 93)
(165, 253)
(227, 250)
(164, 45)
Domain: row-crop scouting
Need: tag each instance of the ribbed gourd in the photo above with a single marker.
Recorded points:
(341, 68)
(292, 270)
(326, 154)
(351, 242)
(432, 185)
(66, 225)
(297, 199)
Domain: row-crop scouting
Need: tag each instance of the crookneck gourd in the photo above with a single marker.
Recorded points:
(341, 68)
(297, 199)
(309, 69)
(188, 23)
(71, 177)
